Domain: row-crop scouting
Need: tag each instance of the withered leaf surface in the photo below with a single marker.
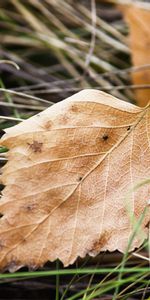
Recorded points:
(68, 174)
(139, 26)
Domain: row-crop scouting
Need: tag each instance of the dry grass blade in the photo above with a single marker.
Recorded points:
(4, 61)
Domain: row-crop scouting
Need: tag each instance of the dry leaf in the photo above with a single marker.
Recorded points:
(67, 177)
(139, 22)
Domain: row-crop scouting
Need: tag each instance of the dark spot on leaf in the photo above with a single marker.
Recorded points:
(24, 241)
(80, 178)
(129, 127)
(1, 215)
(101, 242)
(36, 146)
(30, 207)
(98, 244)
(105, 137)
(48, 125)
(74, 108)
(64, 119)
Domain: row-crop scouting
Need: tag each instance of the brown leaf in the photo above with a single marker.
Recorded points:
(67, 181)
(139, 22)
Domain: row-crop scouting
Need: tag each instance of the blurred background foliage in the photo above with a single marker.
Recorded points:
(62, 47)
